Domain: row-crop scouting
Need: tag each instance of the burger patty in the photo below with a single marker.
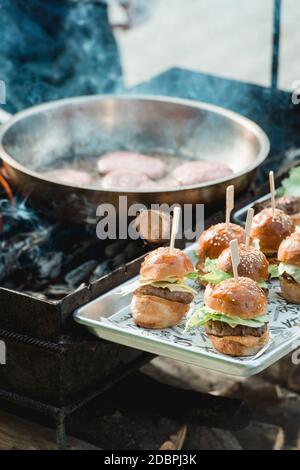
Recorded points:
(219, 328)
(164, 293)
(288, 277)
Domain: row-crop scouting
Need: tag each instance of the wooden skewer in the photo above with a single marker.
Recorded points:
(272, 190)
(175, 225)
(229, 204)
(235, 258)
(248, 225)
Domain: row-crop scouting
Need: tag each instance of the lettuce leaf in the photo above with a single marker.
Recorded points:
(214, 274)
(193, 275)
(291, 270)
(273, 271)
(204, 314)
(262, 284)
(291, 185)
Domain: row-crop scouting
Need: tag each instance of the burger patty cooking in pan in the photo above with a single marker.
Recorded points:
(164, 293)
(218, 328)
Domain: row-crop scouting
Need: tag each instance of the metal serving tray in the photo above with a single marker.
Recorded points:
(239, 216)
(109, 317)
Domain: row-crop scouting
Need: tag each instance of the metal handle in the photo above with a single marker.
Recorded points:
(4, 116)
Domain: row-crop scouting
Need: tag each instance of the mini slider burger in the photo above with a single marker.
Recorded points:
(234, 316)
(289, 268)
(161, 297)
(271, 226)
(214, 240)
(253, 264)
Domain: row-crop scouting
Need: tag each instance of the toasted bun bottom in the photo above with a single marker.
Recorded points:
(290, 290)
(149, 311)
(239, 345)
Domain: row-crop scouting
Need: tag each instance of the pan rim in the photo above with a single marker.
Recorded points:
(260, 134)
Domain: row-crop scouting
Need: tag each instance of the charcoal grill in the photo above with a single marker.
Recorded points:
(71, 366)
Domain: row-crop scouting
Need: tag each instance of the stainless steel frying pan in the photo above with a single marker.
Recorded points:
(44, 135)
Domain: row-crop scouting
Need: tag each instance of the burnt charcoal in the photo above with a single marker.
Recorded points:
(81, 273)
(50, 265)
(134, 250)
(17, 215)
(118, 260)
(100, 271)
(114, 248)
(131, 250)
(7, 261)
(52, 260)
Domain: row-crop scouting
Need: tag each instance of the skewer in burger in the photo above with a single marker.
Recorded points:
(212, 242)
(289, 268)
(271, 227)
(162, 297)
(290, 205)
(253, 264)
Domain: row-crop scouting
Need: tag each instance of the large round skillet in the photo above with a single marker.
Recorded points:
(41, 136)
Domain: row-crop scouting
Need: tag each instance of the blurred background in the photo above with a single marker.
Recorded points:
(229, 38)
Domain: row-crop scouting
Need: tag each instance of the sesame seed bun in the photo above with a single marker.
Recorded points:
(253, 263)
(271, 229)
(216, 238)
(242, 298)
(163, 263)
(289, 250)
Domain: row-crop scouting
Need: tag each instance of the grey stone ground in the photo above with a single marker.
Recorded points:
(231, 38)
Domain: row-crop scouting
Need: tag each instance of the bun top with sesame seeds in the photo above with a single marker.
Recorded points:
(216, 238)
(271, 229)
(253, 263)
(242, 298)
(164, 262)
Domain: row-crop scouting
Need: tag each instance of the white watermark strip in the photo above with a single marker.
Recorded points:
(119, 223)
(2, 353)
(296, 92)
(2, 92)
(296, 352)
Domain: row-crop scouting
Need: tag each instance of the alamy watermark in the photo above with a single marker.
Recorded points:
(296, 92)
(2, 92)
(296, 352)
(120, 222)
(2, 353)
